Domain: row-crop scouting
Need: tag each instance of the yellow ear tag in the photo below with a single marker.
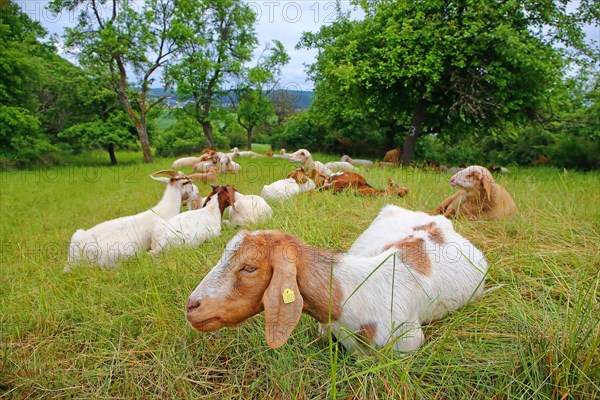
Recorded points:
(288, 296)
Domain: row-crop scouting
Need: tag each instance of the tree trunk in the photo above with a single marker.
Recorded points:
(208, 134)
(142, 130)
(111, 153)
(408, 150)
(389, 137)
(249, 132)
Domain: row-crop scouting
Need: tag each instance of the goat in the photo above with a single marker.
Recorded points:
(340, 166)
(282, 154)
(192, 200)
(479, 196)
(246, 153)
(303, 156)
(227, 165)
(367, 301)
(206, 166)
(342, 180)
(190, 228)
(106, 243)
(246, 209)
(393, 156)
(295, 183)
(364, 163)
(209, 176)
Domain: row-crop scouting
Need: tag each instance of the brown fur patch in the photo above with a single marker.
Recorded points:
(366, 333)
(434, 232)
(322, 298)
(412, 252)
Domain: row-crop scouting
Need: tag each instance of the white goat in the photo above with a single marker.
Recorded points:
(186, 162)
(340, 166)
(369, 301)
(303, 156)
(193, 200)
(282, 154)
(190, 228)
(246, 209)
(296, 182)
(364, 163)
(246, 153)
(106, 243)
(227, 165)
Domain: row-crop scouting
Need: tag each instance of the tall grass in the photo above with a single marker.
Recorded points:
(122, 333)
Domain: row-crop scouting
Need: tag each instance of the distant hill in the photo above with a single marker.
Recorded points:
(299, 99)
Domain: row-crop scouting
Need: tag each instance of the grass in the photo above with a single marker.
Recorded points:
(121, 333)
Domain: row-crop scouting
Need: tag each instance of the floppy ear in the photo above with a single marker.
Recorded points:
(282, 300)
(231, 193)
(486, 180)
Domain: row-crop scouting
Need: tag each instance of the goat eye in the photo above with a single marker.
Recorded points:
(249, 269)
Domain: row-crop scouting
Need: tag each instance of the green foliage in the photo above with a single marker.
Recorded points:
(574, 152)
(22, 142)
(299, 131)
(473, 63)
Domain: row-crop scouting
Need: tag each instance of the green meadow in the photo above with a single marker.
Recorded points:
(122, 333)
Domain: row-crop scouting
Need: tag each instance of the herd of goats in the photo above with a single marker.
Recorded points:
(406, 269)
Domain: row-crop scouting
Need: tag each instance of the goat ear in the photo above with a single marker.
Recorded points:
(487, 185)
(231, 193)
(282, 300)
(161, 178)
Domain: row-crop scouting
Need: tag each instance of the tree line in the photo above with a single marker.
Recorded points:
(507, 81)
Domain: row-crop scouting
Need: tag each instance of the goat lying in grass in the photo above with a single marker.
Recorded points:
(190, 228)
(343, 180)
(296, 182)
(369, 301)
(107, 243)
(479, 196)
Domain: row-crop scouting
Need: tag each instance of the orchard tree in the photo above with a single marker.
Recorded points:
(252, 102)
(127, 44)
(219, 38)
(444, 63)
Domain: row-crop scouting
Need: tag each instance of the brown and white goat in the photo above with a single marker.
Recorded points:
(343, 180)
(368, 301)
(479, 196)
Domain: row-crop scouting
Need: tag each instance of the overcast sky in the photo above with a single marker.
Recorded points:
(282, 20)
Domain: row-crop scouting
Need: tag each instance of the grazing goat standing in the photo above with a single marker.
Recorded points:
(479, 196)
(368, 301)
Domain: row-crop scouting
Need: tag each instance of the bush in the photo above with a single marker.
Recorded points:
(299, 132)
(575, 152)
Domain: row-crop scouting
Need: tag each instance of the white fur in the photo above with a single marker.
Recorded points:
(106, 243)
(249, 209)
(285, 188)
(190, 228)
(395, 223)
(303, 156)
(227, 165)
(186, 162)
(247, 153)
(364, 163)
(340, 166)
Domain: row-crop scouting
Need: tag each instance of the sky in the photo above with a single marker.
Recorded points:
(282, 20)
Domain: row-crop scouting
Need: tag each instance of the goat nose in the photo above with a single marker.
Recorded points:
(192, 304)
